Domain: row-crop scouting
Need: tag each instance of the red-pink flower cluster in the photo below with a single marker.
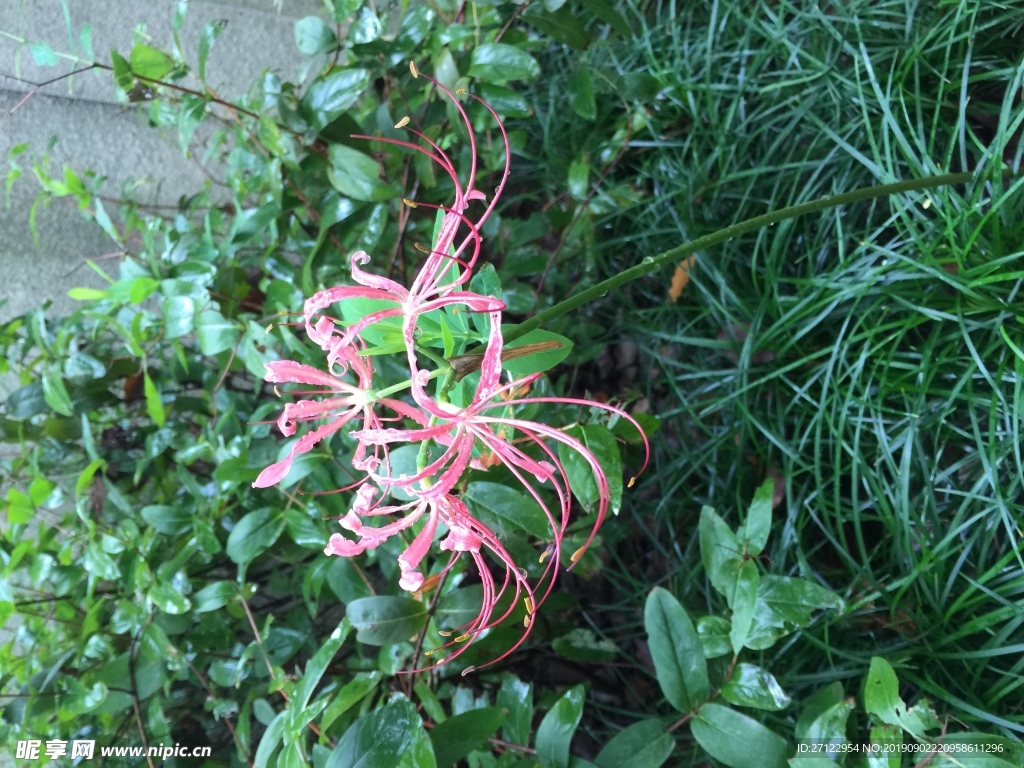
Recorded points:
(481, 428)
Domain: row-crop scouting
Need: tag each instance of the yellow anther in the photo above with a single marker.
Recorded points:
(269, 328)
(445, 632)
(410, 203)
(529, 604)
(545, 554)
(578, 554)
(467, 670)
(430, 652)
(462, 638)
(421, 248)
(461, 91)
(526, 621)
(631, 482)
(403, 122)
(412, 68)
(277, 391)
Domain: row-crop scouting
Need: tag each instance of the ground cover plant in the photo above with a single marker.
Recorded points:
(821, 563)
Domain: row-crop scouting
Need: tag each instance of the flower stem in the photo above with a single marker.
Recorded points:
(654, 263)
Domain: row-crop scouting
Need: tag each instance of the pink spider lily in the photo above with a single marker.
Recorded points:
(342, 403)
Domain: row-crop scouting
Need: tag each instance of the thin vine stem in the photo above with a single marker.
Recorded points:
(654, 263)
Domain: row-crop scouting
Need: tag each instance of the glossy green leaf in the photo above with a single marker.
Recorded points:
(888, 740)
(602, 445)
(459, 607)
(554, 736)
(313, 36)
(357, 175)
(676, 650)
(516, 697)
(785, 604)
(737, 740)
(751, 686)
(758, 523)
(743, 601)
(584, 645)
(561, 26)
(828, 730)
(500, 63)
(350, 694)
(714, 636)
(817, 705)
(317, 665)
(503, 509)
(254, 534)
(19, 507)
(214, 596)
(646, 744)
(154, 405)
(26, 402)
(378, 738)
(55, 393)
(505, 101)
(720, 551)
(328, 97)
(215, 333)
(385, 619)
(457, 736)
(149, 63)
(171, 521)
(168, 599)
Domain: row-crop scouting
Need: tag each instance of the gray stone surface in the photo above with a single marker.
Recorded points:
(94, 132)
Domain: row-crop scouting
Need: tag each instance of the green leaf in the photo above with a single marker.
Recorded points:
(26, 402)
(499, 63)
(19, 507)
(720, 551)
(584, 645)
(516, 697)
(504, 509)
(751, 686)
(214, 596)
(43, 55)
(505, 101)
(168, 599)
(457, 736)
(828, 730)
(784, 604)
(366, 27)
(149, 63)
(743, 601)
(385, 620)
(179, 313)
(142, 288)
(313, 36)
(55, 393)
(122, 71)
(206, 39)
(378, 738)
(316, 667)
(554, 735)
(601, 443)
(459, 607)
(89, 294)
(350, 694)
(607, 13)
(560, 26)
(357, 175)
(890, 740)
(758, 524)
(676, 650)
(646, 744)
(737, 740)
(536, 362)
(581, 94)
(154, 405)
(216, 334)
(171, 521)
(714, 636)
(882, 699)
(328, 97)
(579, 178)
(254, 534)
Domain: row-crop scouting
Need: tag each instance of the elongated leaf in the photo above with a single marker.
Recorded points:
(516, 697)
(646, 744)
(541, 360)
(499, 63)
(357, 175)
(737, 740)
(150, 63)
(313, 36)
(554, 735)
(505, 510)
(211, 30)
(601, 443)
(378, 738)
(720, 551)
(154, 405)
(560, 25)
(743, 602)
(317, 665)
(327, 98)
(254, 534)
(676, 650)
(758, 524)
(751, 686)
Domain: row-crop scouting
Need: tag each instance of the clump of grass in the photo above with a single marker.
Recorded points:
(858, 356)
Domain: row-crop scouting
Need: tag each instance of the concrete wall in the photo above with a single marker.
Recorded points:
(94, 132)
